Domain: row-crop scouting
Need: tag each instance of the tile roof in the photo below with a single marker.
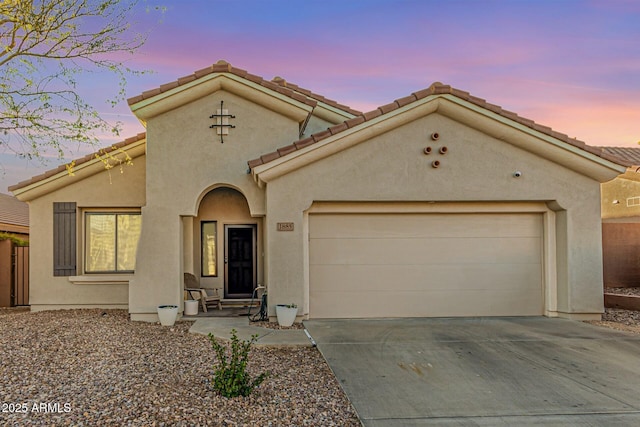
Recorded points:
(223, 67)
(436, 88)
(620, 155)
(78, 162)
(277, 84)
(13, 211)
(629, 154)
(282, 82)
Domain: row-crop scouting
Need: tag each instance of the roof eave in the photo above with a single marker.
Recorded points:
(210, 83)
(572, 156)
(489, 122)
(331, 114)
(64, 178)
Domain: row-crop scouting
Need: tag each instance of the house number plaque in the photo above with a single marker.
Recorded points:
(285, 226)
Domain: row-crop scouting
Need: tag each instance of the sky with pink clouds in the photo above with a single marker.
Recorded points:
(571, 65)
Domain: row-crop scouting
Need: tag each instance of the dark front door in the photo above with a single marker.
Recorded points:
(240, 260)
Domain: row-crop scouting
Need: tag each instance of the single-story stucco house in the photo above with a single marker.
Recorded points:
(437, 204)
(621, 222)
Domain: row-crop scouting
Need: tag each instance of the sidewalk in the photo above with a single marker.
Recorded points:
(221, 327)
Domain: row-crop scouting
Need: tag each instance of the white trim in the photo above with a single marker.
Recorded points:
(101, 279)
(549, 273)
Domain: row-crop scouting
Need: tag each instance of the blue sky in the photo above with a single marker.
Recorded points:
(572, 65)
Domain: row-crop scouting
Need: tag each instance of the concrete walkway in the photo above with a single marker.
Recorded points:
(221, 327)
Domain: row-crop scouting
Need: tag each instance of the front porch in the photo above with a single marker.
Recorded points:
(230, 308)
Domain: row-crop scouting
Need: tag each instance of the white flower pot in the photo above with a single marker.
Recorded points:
(286, 315)
(191, 307)
(167, 314)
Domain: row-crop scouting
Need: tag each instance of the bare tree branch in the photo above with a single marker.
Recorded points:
(44, 46)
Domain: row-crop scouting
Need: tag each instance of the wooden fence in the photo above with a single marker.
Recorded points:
(14, 274)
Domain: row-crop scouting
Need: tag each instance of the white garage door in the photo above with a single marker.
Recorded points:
(425, 265)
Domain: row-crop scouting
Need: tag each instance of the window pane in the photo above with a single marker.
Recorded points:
(128, 234)
(101, 239)
(209, 249)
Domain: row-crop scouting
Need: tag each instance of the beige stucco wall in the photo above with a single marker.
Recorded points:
(185, 160)
(616, 194)
(621, 228)
(107, 189)
(316, 124)
(477, 167)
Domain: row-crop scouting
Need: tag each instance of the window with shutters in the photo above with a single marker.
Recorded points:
(111, 241)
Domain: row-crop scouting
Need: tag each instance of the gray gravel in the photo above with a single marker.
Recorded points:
(95, 367)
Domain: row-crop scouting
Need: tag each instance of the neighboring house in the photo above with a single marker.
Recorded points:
(621, 222)
(14, 255)
(437, 204)
(14, 217)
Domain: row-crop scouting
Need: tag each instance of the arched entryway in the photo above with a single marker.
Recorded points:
(226, 244)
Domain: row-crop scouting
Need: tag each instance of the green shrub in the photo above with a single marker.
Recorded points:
(17, 240)
(230, 377)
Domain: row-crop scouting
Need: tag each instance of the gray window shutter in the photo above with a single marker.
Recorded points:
(64, 239)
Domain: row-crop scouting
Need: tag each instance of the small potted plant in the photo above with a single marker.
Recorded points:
(286, 314)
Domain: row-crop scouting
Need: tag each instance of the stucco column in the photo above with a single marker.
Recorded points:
(584, 282)
(157, 278)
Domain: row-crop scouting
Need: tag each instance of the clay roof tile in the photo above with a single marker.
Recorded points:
(269, 156)
(321, 135)
(355, 121)
(388, 107)
(304, 143)
(629, 154)
(168, 86)
(203, 72)
(338, 128)
(371, 114)
(151, 93)
(253, 163)
(283, 151)
(186, 79)
(406, 100)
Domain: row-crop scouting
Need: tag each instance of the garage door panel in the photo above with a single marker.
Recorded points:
(425, 225)
(366, 279)
(404, 265)
(393, 251)
(425, 304)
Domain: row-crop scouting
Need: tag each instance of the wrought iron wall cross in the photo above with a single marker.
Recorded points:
(222, 125)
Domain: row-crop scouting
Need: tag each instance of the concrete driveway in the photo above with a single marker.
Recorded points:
(484, 371)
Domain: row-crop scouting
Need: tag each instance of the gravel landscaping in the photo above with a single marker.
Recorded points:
(623, 291)
(95, 367)
(622, 320)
